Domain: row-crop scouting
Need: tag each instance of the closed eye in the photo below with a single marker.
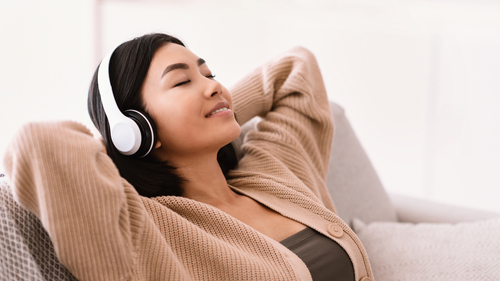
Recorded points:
(182, 83)
(211, 76)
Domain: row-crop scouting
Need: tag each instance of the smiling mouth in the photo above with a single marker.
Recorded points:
(219, 109)
(216, 111)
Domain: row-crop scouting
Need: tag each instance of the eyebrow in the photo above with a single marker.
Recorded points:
(180, 66)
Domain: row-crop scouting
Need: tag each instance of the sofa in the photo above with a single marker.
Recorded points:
(405, 238)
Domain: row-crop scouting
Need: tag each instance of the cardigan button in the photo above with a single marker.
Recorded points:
(365, 279)
(335, 230)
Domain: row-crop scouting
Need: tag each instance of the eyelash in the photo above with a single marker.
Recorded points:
(211, 76)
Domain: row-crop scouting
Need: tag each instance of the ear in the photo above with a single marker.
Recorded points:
(158, 144)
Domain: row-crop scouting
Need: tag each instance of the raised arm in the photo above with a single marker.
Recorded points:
(289, 93)
(58, 172)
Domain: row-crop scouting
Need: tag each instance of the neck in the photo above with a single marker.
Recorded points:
(205, 181)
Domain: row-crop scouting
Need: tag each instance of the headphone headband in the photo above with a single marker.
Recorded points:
(125, 133)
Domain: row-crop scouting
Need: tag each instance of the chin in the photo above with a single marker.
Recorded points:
(237, 130)
(236, 138)
(225, 134)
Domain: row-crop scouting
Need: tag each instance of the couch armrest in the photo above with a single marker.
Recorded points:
(415, 210)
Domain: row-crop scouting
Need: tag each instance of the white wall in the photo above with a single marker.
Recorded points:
(45, 61)
(417, 78)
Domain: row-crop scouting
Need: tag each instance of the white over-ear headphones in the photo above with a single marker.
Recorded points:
(132, 132)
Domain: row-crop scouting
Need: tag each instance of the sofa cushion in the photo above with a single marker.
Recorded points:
(352, 181)
(432, 251)
(415, 210)
(27, 251)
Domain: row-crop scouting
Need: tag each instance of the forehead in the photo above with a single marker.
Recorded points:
(173, 53)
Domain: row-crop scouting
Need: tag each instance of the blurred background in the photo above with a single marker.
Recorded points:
(419, 80)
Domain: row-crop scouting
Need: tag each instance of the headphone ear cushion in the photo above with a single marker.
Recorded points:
(147, 128)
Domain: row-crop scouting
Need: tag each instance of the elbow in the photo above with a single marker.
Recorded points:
(303, 53)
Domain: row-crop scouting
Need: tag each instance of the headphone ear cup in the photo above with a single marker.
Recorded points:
(147, 128)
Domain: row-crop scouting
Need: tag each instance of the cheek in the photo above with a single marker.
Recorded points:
(177, 125)
(174, 123)
(227, 96)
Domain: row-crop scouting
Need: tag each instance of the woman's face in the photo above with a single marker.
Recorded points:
(193, 112)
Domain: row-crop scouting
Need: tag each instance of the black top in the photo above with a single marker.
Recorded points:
(324, 258)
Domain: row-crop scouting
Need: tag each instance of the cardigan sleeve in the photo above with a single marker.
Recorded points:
(93, 216)
(297, 128)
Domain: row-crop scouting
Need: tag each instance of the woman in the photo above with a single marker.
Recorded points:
(187, 210)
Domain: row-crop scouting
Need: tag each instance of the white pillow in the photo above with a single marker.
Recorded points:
(426, 251)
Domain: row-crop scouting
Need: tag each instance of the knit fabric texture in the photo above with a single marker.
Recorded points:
(102, 229)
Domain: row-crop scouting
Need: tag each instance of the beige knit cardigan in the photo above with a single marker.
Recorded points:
(103, 230)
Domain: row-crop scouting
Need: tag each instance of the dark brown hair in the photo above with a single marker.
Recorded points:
(128, 67)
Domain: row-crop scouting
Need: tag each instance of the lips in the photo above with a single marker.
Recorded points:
(221, 106)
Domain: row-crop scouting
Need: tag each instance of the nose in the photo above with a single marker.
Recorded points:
(212, 88)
